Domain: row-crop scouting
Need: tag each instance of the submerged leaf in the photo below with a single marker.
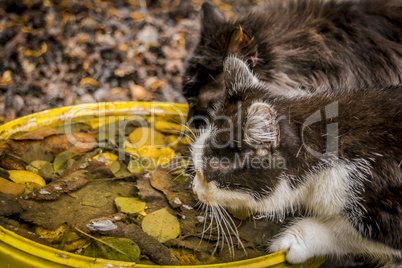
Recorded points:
(115, 167)
(36, 152)
(130, 205)
(121, 249)
(61, 160)
(40, 133)
(162, 225)
(9, 187)
(26, 177)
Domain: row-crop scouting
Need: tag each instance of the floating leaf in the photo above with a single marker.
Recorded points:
(130, 205)
(162, 225)
(61, 160)
(121, 249)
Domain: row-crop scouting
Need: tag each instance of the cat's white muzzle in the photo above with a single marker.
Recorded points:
(200, 187)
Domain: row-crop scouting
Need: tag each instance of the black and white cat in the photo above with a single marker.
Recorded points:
(302, 45)
(333, 156)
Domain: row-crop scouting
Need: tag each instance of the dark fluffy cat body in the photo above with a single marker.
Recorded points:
(300, 45)
(334, 155)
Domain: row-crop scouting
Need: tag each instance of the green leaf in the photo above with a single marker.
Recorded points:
(162, 225)
(36, 166)
(121, 249)
(61, 160)
(135, 166)
(130, 205)
(115, 167)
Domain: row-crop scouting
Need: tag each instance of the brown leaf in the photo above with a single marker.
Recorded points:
(40, 133)
(178, 193)
(77, 142)
(67, 184)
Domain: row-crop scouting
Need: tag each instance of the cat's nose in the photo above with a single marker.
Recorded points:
(194, 191)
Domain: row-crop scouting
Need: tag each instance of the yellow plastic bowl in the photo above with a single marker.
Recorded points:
(19, 252)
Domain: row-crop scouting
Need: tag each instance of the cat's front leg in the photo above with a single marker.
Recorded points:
(307, 238)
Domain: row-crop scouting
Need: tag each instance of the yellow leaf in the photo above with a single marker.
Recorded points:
(89, 80)
(6, 79)
(23, 177)
(51, 235)
(162, 225)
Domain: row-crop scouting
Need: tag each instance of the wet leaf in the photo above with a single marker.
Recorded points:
(40, 133)
(162, 225)
(76, 127)
(36, 152)
(51, 235)
(136, 166)
(53, 190)
(26, 178)
(36, 166)
(168, 127)
(115, 167)
(121, 249)
(106, 157)
(8, 187)
(61, 160)
(155, 200)
(130, 205)
(146, 136)
(93, 201)
(240, 214)
(9, 204)
(47, 172)
(98, 169)
(178, 194)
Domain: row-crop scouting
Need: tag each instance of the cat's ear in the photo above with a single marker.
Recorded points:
(243, 46)
(261, 128)
(237, 75)
(211, 18)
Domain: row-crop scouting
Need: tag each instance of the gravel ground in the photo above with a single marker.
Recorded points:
(60, 53)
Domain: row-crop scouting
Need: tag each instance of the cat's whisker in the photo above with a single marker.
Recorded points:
(233, 229)
(224, 218)
(221, 225)
(218, 230)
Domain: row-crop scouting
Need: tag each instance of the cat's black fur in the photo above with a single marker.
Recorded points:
(366, 159)
(308, 45)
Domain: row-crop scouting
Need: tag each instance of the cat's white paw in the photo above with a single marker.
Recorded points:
(296, 250)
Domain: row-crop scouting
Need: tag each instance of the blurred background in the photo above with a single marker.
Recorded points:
(60, 53)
